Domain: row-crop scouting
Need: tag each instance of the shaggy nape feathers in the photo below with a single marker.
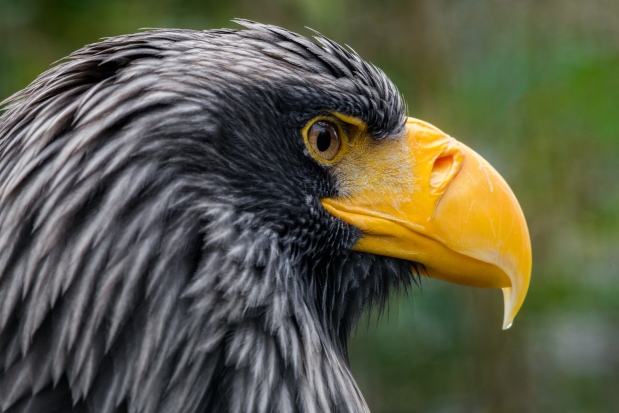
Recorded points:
(163, 247)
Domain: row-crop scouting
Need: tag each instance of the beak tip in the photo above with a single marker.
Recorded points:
(513, 299)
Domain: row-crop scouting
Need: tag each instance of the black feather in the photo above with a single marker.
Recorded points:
(162, 242)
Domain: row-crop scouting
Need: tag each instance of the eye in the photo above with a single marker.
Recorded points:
(323, 139)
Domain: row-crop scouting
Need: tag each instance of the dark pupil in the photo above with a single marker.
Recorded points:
(324, 140)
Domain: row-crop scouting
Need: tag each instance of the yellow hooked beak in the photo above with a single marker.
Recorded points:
(428, 198)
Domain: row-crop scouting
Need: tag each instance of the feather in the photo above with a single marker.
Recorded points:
(162, 243)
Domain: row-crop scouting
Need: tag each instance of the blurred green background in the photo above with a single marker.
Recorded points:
(533, 86)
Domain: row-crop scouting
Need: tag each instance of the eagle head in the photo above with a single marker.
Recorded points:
(194, 221)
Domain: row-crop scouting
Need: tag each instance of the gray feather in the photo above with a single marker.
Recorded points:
(162, 243)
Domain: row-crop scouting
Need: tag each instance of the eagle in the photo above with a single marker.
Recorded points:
(195, 221)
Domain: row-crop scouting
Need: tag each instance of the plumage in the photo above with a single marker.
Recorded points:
(195, 221)
(163, 247)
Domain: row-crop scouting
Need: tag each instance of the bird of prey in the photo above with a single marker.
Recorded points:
(194, 221)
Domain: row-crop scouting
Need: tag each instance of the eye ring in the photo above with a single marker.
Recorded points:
(324, 139)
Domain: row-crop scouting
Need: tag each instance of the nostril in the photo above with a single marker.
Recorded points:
(445, 169)
(441, 170)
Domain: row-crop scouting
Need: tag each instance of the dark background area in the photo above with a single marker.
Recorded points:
(533, 86)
